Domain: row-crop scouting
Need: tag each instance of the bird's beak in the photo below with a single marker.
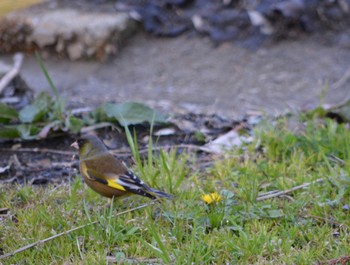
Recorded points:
(75, 145)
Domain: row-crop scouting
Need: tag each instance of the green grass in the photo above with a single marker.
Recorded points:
(310, 225)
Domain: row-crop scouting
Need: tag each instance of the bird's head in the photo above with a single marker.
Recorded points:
(89, 145)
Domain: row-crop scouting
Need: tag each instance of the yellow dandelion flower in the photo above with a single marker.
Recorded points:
(211, 198)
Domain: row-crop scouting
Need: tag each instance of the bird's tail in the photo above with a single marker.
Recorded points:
(162, 194)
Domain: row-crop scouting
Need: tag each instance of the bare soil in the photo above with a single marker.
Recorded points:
(54, 161)
(189, 74)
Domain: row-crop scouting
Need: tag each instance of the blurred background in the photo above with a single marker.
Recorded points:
(7, 6)
(226, 57)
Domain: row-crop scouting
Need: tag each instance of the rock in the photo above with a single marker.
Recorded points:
(75, 51)
(42, 37)
(70, 32)
(60, 45)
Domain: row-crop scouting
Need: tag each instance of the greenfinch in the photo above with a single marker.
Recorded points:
(108, 176)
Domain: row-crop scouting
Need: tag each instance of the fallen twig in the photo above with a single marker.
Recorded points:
(4, 211)
(69, 231)
(336, 159)
(117, 152)
(270, 195)
(10, 100)
(97, 126)
(7, 78)
(81, 110)
(39, 166)
(39, 150)
(185, 146)
(326, 220)
(287, 197)
(4, 169)
(145, 150)
(342, 260)
(112, 259)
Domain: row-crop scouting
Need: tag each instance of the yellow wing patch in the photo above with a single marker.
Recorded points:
(110, 182)
(115, 185)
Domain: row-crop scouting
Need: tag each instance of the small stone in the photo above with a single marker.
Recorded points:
(42, 37)
(75, 51)
(60, 45)
(72, 32)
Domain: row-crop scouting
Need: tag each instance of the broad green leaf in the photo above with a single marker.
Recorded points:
(24, 131)
(74, 124)
(120, 257)
(37, 110)
(43, 101)
(9, 132)
(29, 113)
(131, 113)
(28, 131)
(59, 108)
(7, 113)
(275, 213)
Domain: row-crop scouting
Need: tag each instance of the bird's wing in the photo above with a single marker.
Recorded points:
(90, 174)
(117, 176)
(108, 180)
(128, 182)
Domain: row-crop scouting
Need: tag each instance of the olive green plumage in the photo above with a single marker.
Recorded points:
(108, 176)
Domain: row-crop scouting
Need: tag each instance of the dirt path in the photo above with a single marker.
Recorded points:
(190, 74)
